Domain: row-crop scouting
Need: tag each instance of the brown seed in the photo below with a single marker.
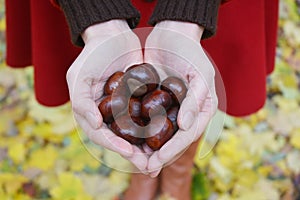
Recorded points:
(172, 116)
(155, 103)
(125, 128)
(141, 79)
(176, 87)
(159, 131)
(115, 83)
(134, 108)
(111, 106)
(139, 121)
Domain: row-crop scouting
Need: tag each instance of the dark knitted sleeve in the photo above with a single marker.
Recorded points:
(202, 12)
(81, 14)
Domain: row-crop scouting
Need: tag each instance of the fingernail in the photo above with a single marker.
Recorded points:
(188, 120)
(93, 120)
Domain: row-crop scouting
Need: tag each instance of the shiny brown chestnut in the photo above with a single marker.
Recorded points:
(115, 83)
(172, 116)
(176, 87)
(159, 131)
(141, 79)
(153, 103)
(125, 128)
(134, 107)
(139, 121)
(111, 105)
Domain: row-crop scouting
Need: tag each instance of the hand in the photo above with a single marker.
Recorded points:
(175, 48)
(109, 47)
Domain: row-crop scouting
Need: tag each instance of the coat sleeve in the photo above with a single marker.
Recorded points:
(202, 12)
(81, 14)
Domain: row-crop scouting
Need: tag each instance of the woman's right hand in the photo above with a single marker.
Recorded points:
(109, 47)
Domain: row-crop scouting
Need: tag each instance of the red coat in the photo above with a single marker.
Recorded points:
(243, 48)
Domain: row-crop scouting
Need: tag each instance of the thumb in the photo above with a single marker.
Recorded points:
(193, 102)
(84, 105)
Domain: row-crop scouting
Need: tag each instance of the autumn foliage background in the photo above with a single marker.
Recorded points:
(256, 158)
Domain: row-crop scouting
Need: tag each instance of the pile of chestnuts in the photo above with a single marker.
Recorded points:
(139, 108)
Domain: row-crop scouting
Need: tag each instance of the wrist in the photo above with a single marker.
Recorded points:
(188, 29)
(105, 30)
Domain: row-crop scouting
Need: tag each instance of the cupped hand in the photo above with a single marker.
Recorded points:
(175, 48)
(109, 47)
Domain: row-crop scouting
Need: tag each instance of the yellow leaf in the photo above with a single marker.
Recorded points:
(293, 161)
(251, 195)
(115, 161)
(266, 187)
(46, 180)
(295, 138)
(95, 186)
(246, 178)
(78, 156)
(22, 197)
(282, 165)
(262, 114)
(26, 127)
(224, 175)
(11, 182)
(265, 170)
(2, 24)
(120, 180)
(286, 105)
(17, 152)
(225, 196)
(43, 158)
(9, 116)
(69, 188)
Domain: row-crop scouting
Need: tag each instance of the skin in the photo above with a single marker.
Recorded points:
(86, 80)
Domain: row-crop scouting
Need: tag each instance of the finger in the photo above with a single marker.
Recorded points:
(139, 159)
(104, 137)
(84, 105)
(147, 149)
(155, 164)
(155, 173)
(107, 139)
(112, 142)
(191, 105)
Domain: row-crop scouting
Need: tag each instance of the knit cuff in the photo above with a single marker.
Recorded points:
(81, 14)
(202, 12)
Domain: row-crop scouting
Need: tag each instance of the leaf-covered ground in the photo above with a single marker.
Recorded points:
(256, 158)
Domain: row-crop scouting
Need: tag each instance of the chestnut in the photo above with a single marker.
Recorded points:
(150, 111)
(134, 107)
(140, 122)
(141, 79)
(153, 103)
(110, 106)
(176, 87)
(172, 116)
(159, 131)
(115, 82)
(125, 128)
